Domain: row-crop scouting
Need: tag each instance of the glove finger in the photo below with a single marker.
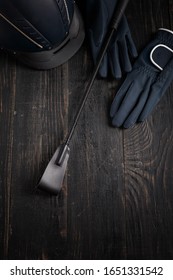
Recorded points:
(96, 24)
(150, 104)
(127, 104)
(157, 90)
(114, 63)
(93, 46)
(132, 118)
(124, 56)
(131, 46)
(103, 70)
(119, 97)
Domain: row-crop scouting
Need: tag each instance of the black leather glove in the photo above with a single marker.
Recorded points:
(143, 87)
(97, 16)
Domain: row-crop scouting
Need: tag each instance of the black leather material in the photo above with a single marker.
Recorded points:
(97, 17)
(145, 84)
(161, 55)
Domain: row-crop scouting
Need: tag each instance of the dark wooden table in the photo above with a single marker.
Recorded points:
(117, 196)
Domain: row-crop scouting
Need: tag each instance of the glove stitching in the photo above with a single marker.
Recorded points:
(167, 41)
(146, 70)
(163, 76)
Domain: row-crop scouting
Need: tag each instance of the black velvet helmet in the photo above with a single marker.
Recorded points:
(41, 33)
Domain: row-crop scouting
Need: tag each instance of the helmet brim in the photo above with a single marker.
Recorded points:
(58, 55)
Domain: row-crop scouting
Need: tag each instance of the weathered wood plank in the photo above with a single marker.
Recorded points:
(95, 186)
(148, 166)
(117, 196)
(7, 97)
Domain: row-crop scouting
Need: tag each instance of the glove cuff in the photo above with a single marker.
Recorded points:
(166, 29)
(165, 36)
(162, 53)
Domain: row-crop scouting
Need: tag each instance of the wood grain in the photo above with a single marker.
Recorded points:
(117, 196)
